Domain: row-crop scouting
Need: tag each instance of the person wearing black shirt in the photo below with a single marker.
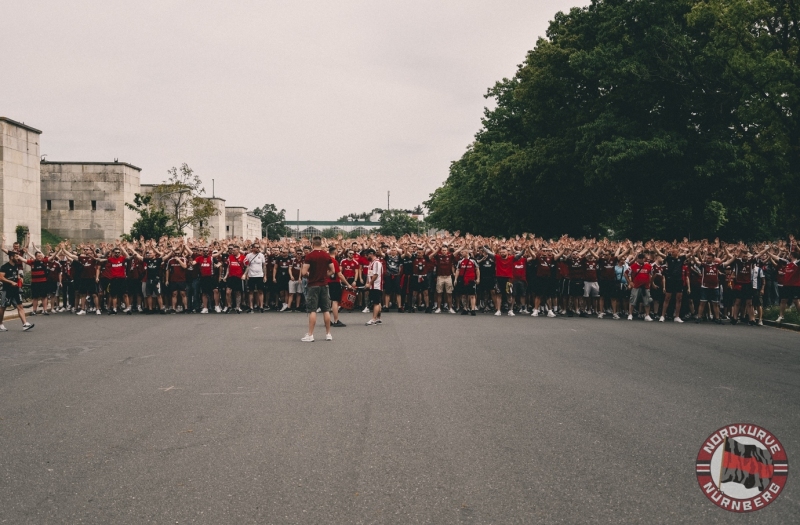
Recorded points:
(406, 273)
(392, 288)
(673, 281)
(10, 279)
(151, 284)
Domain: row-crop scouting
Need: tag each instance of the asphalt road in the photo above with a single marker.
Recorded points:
(426, 419)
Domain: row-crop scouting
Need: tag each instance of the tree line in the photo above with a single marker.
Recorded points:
(641, 119)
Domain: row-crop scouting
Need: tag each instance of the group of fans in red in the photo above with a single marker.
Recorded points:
(654, 280)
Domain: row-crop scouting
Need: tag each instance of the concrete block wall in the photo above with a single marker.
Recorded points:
(110, 185)
(19, 180)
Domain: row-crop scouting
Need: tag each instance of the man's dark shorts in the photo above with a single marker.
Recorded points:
(87, 285)
(789, 293)
(576, 288)
(235, 284)
(118, 287)
(177, 286)
(375, 297)
(255, 284)
(335, 291)
(544, 286)
(318, 297)
(674, 286)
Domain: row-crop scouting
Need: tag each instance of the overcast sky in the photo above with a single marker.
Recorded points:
(319, 105)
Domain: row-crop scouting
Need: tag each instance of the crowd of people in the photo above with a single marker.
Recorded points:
(697, 280)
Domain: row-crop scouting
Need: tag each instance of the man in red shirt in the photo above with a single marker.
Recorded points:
(39, 287)
(468, 276)
(317, 267)
(504, 270)
(116, 266)
(639, 277)
(443, 260)
(790, 276)
(208, 288)
(233, 277)
(176, 282)
(709, 280)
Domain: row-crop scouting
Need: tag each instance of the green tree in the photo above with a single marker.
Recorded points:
(181, 198)
(270, 216)
(398, 223)
(153, 221)
(647, 119)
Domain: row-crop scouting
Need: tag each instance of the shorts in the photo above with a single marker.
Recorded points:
(709, 295)
(444, 284)
(757, 299)
(151, 288)
(607, 289)
(375, 296)
(335, 291)
(419, 283)
(391, 284)
(104, 284)
(674, 285)
(296, 287)
(576, 288)
(87, 285)
(643, 293)
(591, 289)
(207, 284)
(520, 288)
(487, 284)
(789, 293)
(745, 293)
(39, 289)
(544, 286)
(562, 287)
(255, 284)
(134, 287)
(318, 297)
(465, 289)
(10, 298)
(283, 284)
(118, 287)
(177, 286)
(235, 284)
(501, 285)
(657, 294)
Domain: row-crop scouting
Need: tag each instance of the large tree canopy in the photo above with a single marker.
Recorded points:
(667, 119)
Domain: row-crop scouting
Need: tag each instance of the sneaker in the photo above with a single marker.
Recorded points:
(328, 337)
(511, 313)
(600, 315)
(308, 338)
(648, 318)
(498, 313)
(127, 310)
(437, 311)
(204, 311)
(551, 313)
(98, 312)
(779, 319)
(452, 311)
(3, 328)
(365, 310)
(473, 313)
(372, 322)
(677, 320)
(464, 312)
(33, 312)
(630, 317)
(139, 308)
(81, 312)
(378, 322)
(615, 317)
(583, 314)
(218, 309)
(661, 319)
(45, 312)
(338, 324)
(225, 310)
(27, 326)
(535, 313)
(760, 322)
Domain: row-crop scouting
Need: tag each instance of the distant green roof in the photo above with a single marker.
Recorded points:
(331, 223)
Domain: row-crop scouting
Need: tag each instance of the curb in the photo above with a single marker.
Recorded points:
(785, 326)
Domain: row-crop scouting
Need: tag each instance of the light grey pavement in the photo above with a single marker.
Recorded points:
(426, 419)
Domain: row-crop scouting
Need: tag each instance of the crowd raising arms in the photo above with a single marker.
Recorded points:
(446, 272)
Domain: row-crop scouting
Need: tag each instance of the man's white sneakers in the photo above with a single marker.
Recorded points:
(204, 311)
(630, 317)
(27, 326)
(535, 313)
(677, 320)
(81, 312)
(98, 312)
(615, 316)
(218, 309)
(437, 311)
(308, 338)
(3, 328)
(498, 313)
(452, 311)
(373, 322)
(661, 319)
(284, 307)
(551, 313)
(779, 319)
(511, 313)
(328, 337)
(648, 318)
(600, 315)
(365, 310)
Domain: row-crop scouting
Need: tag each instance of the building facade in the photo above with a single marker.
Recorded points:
(311, 228)
(241, 223)
(85, 201)
(20, 185)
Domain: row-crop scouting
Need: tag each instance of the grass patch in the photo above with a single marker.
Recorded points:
(50, 238)
(791, 316)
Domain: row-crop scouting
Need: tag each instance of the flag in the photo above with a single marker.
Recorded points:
(746, 464)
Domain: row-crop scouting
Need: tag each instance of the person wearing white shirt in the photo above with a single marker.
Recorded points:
(375, 286)
(255, 278)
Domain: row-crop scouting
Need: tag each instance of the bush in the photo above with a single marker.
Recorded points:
(791, 316)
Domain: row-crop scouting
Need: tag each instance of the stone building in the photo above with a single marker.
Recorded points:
(241, 223)
(85, 201)
(19, 180)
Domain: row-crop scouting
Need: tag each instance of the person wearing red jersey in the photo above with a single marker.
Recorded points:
(420, 281)
(591, 286)
(133, 296)
(639, 278)
(709, 282)
(39, 285)
(743, 278)
(175, 281)
(504, 271)
(208, 287)
(87, 280)
(116, 263)
(443, 261)
(317, 268)
(545, 287)
(335, 282)
(233, 277)
(54, 276)
(468, 276)
(789, 274)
